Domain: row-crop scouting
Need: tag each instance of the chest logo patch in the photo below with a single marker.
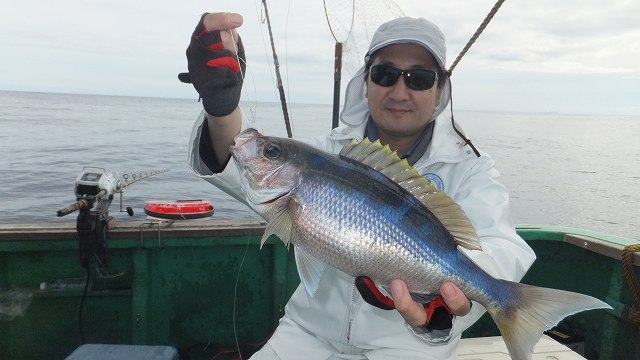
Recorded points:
(435, 180)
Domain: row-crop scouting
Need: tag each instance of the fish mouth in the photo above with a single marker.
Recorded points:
(246, 136)
(241, 140)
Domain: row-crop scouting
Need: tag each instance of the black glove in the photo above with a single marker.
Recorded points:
(439, 317)
(216, 73)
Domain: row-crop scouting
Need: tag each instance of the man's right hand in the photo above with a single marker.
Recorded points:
(216, 62)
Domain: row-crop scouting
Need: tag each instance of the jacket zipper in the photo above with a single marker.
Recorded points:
(352, 311)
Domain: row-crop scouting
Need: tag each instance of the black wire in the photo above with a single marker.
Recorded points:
(84, 295)
(467, 141)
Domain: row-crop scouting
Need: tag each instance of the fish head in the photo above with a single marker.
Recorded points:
(269, 169)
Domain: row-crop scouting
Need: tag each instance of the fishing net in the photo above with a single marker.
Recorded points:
(353, 23)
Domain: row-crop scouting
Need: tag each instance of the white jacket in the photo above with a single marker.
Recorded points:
(336, 319)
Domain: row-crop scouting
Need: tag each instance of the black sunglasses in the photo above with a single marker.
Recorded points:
(415, 79)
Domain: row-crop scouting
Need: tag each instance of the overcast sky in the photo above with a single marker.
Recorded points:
(572, 56)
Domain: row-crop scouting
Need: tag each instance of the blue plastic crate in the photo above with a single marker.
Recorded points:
(123, 352)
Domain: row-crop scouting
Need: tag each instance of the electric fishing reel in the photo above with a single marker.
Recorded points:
(94, 182)
(94, 189)
(93, 185)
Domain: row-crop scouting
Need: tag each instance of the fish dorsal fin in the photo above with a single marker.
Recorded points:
(381, 158)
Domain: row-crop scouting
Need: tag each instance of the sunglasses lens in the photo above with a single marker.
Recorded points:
(420, 79)
(417, 79)
(384, 75)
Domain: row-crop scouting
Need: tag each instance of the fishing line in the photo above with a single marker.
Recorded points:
(252, 108)
(252, 119)
(262, 20)
(246, 248)
(235, 294)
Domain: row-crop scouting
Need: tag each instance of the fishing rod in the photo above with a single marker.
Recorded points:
(95, 184)
(283, 101)
(134, 178)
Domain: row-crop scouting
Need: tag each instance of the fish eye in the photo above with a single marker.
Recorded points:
(272, 151)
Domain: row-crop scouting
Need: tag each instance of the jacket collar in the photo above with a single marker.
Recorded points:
(445, 144)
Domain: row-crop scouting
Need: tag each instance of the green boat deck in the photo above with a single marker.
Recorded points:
(197, 285)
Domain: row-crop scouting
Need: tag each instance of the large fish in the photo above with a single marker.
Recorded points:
(366, 212)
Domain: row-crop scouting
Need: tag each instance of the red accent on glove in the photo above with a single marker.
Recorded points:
(439, 316)
(216, 47)
(372, 295)
(227, 61)
(435, 303)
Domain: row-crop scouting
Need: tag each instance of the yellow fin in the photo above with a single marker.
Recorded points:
(382, 159)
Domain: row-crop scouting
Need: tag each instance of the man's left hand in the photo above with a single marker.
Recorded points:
(414, 313)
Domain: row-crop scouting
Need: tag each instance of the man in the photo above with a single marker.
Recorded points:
(396, 97)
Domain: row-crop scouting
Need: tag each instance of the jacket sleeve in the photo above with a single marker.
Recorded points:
(202, 162)
(504, 253)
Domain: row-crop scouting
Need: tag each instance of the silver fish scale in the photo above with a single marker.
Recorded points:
(351, 229)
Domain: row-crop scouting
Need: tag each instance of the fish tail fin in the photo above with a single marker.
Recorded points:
(532, 310)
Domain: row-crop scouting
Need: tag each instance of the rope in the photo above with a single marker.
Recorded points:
(632, 282)
(484, 24)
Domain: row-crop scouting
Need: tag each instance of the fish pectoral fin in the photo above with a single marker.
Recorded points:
(310, 270)
(280, 225)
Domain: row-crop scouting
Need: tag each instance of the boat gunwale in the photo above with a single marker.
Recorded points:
(608, 245)
(605, 244)
(122, 230)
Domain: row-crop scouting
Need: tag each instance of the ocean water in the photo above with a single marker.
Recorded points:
(561, 169)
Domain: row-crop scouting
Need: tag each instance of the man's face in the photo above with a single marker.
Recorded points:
(398, 111)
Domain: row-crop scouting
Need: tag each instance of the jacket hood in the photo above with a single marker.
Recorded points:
(355, 111)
